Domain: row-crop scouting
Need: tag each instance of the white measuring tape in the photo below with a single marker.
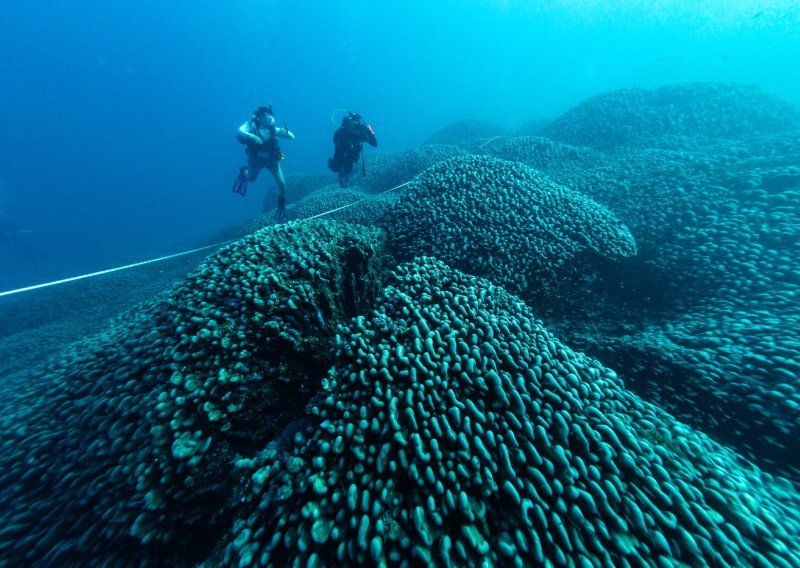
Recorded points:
(492, 139)
(117, 269)
(159, 259)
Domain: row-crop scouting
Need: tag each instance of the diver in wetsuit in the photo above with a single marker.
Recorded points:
(260, 136)
(348, 143)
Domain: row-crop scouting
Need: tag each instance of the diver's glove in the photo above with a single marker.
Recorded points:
(280, 212)
(368, 135)
(256, 139)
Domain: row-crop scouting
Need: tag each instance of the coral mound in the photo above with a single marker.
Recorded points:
(385, 171)
(351, 205)
(456, 427)
(506, 222)
(124, 449)
(466, 131)
(633, 117)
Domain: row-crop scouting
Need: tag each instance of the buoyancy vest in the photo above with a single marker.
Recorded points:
(269, 150)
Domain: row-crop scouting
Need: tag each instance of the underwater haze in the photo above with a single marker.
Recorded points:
(549, 314)
(118, 117)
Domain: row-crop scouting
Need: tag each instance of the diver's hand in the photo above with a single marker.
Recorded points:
(290, 135)
(256, 139)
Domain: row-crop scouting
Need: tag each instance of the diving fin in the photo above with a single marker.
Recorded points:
(240, 183)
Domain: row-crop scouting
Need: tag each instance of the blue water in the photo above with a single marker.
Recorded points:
(118, 117)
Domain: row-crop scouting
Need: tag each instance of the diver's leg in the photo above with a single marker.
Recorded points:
(277, 173)
(253, 168)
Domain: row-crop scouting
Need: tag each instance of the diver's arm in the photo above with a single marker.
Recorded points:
(369, 136)
(284, 133)
(245, 132)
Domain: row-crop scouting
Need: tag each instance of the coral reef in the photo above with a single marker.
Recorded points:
(466, 131)
(541, 153)
(458, 428)
(635, 116)
(303, 184)
(389, 170)
(712, 291)
(532, 127)
(123, 449)
(34, 326)
(507, 222)
(303, 399)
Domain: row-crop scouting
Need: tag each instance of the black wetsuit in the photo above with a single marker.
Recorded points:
(348, 141)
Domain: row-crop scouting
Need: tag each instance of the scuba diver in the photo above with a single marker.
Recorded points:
(348, 143)
(260, 136)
